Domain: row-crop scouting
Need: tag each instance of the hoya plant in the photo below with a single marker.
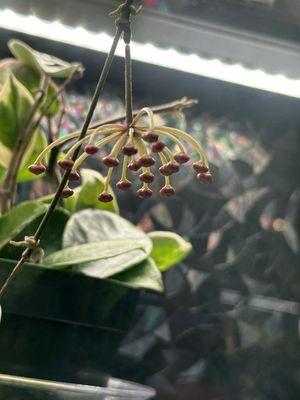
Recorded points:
(79, 227)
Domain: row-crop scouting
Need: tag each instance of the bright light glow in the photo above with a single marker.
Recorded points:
(168, 58)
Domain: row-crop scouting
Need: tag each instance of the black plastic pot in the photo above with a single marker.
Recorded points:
(61, 326)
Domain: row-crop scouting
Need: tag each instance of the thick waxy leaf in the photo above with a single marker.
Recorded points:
(168, 249)
(30, 78)
(90, 252)
(86, 196)
(142, 276)
(105, 268)
(16, 220)
(41, 62)
(15, 105)
(90, 226)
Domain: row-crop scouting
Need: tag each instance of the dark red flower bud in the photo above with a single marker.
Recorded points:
(144, 193)
(151, 137)
(167, 191)
(134, 166)
(173, 167)
(205, 177)
(200, 167)
(91, 149)
(147, 177)
(146, 161)
(165, 170)
(74, 176)
(67, 192)
(181, 158)
(110, 161)
(124, 185)
(158, 146)
(66, 163)
(105, 197)
(129, 150)
(37, 169)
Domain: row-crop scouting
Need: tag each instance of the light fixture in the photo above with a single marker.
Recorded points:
(149, 53)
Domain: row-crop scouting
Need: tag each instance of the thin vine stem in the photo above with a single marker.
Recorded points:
(128, 85)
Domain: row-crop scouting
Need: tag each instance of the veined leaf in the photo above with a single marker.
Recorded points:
(90, 226)
(41, 62)
(90, 252)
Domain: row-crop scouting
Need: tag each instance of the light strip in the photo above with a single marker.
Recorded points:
(168, 58)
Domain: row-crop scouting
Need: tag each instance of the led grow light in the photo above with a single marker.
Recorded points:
(149, 53)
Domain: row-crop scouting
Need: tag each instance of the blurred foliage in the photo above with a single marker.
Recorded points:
(228, 326)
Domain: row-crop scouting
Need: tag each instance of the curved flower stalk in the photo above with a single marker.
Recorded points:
(137, 144)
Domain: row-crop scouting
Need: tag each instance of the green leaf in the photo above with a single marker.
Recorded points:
(16, 220)
(168, 249)
(90, 252)
(86, 196)
(51, 239)
(142, 276)
(30, 78)
(24, 174)
(41, 62)
(90, 226)
(15, 105)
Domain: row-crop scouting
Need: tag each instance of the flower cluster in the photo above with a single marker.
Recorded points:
(138, 143)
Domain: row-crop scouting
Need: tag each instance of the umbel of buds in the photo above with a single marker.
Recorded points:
(141, 145)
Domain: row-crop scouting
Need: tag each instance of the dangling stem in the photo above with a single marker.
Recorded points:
(128, 85)
(27, 253)
(164, 161)
(124, 169)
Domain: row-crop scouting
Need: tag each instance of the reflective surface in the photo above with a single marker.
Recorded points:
(17, 388)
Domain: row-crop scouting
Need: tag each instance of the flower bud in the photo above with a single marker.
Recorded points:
(181, 158)
(129, 150)
(205, 177)
(134, 166)
(167, 191)
(144, 193)
(200, 167)
(165, 170)
(67, 192)
(91, 149)
(66, 163)
(74, 176)
(151, 137)
(105, 197)
(110, 161)
(147, 177)
(37, 169)
(124, 185)
(146, 161)
(158, 146)
(173, 167)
